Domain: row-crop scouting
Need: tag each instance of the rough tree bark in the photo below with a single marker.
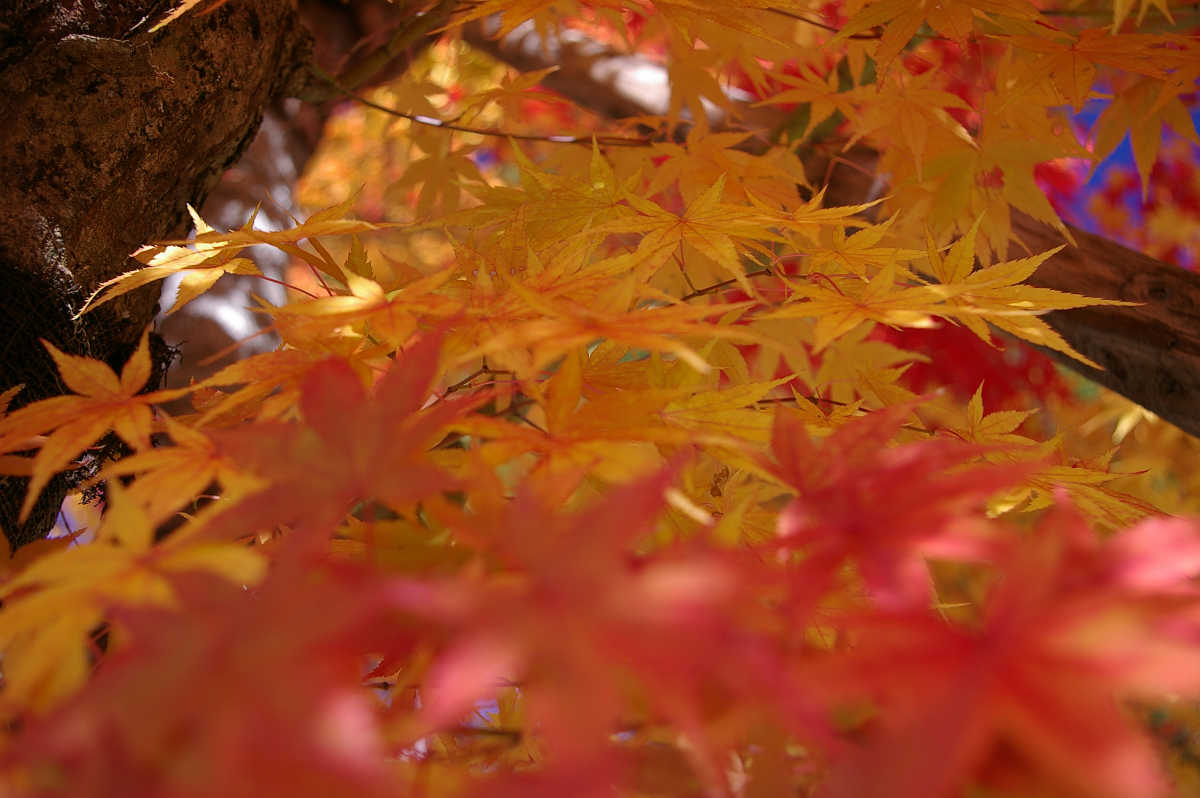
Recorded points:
(109, 131)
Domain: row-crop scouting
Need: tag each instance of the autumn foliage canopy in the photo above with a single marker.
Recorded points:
(607, 457)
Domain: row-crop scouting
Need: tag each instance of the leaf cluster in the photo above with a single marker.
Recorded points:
(602, 471)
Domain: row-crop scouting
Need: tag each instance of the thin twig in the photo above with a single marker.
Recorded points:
(783, 400)
(709, 289)
(603, 141)
(287, 285)
(821, 25)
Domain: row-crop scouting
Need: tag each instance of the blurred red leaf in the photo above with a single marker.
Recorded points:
(885, 508)
(351, 446)
(1034, 694)
(238, 693)
(580, 622)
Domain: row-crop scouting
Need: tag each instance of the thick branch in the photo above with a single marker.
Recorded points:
(109, 131)
(1151, 353)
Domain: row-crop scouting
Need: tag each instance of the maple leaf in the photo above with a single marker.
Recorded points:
(855, 366)
(887, 509)
(233, 692)
(1142, 110)
(170, 476)
(572, 615)
(1088, 486)
(901, 19)
(390, 317)
(994, 429)
(609, 435)
(544, 13)
(861, 253)
(1121, 9)
(510, 94)
(911, 112)
(852, 302)
(701, 160)
(351, 447)
(1086, 483)
(1074, 623)
(562, 325)
(694, 86)
(440, 174)
(823, 97)
(559, 208)
(1071, 60)
(52, 607)
(616, 434)
(213, 253)
(735, 411)
(731, 15)
(268, 382)
(994, 295)
(714, 228)
(103, 402)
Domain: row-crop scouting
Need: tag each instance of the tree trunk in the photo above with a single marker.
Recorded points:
(109, 131)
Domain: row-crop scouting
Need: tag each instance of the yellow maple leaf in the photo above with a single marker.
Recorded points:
(717, 230)
(511, 13)
(1121, 9)
(390, 317)
(275, 374)
(734, 411)
(901, 19)
(1142, 110)
(509, 95)
(53, 606)
(909, 112)
(212, 253)
(855, 366)
(1071, 61)
(861, 253)
(995, 295)
(994, 429)
(823, 96)
(550, 207)
(703, 159)
(103, 402)
(559, 325)
(170, 476)
(849, 303)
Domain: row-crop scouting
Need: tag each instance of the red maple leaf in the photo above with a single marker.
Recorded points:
(1033, 695)
(233, 693)
(351, 447)
(885, 508)
(581, 622)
